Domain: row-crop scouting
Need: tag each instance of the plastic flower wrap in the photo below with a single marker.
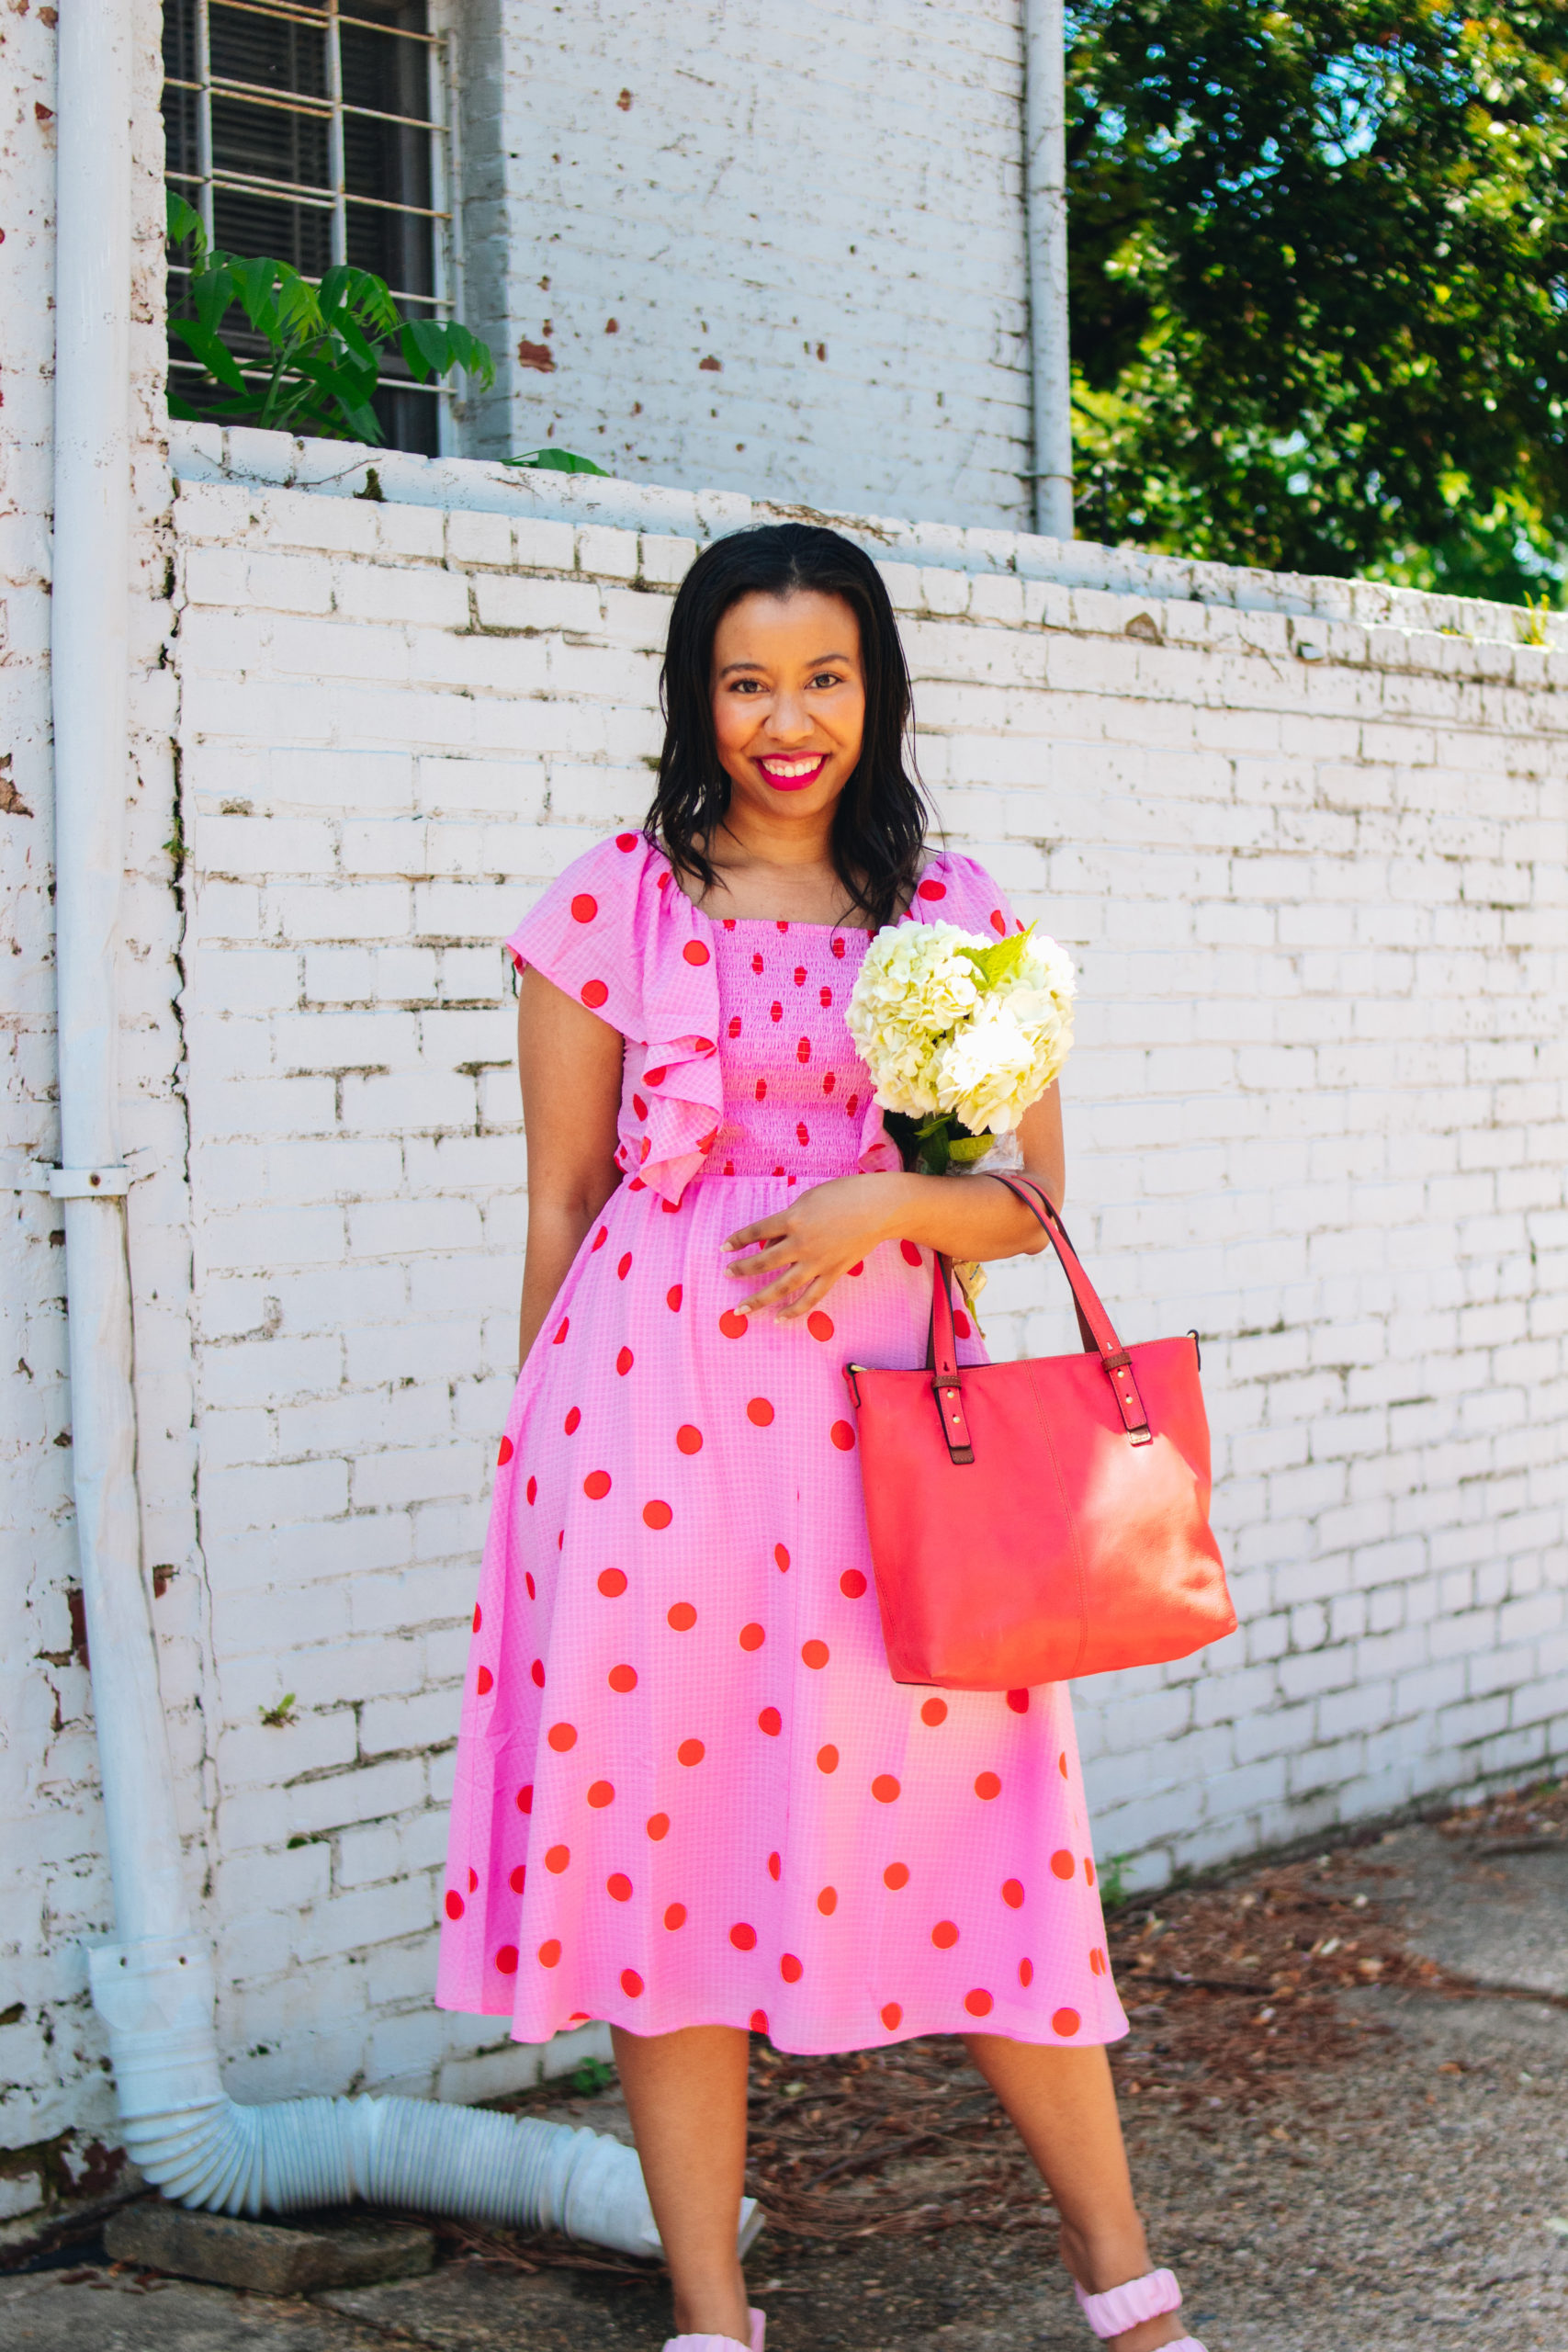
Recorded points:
(961, 1034)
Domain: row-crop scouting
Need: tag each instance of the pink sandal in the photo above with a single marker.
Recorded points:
(718, 2343)
(1121, 2308)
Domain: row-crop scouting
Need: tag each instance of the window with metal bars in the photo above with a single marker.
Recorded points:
(318, 131)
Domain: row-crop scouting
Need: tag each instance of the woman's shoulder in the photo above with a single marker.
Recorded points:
(959, 889)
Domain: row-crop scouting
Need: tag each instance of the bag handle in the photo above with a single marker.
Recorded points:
(1095, 1325)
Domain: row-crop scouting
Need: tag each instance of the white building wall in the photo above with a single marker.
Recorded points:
(771, 249)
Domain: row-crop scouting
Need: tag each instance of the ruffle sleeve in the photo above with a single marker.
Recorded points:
(616, 932)
(959, 890)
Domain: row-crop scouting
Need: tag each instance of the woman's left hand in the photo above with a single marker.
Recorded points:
(808, 1243)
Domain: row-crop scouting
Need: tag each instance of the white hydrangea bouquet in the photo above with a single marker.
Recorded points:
(961, 1034)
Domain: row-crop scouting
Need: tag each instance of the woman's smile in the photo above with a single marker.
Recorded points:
(793, 771)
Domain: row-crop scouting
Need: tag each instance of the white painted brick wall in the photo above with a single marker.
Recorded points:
(824, 198)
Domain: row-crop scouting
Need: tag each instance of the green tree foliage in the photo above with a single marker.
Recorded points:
(1320, 284)
(318, 349)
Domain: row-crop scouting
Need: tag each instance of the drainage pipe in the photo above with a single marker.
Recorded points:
(154, 1987)
(1045, 230)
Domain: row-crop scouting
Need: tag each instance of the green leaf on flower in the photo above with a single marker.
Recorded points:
(999, 964)
(966, 1149)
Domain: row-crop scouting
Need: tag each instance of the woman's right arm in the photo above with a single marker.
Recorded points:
(569, 1063)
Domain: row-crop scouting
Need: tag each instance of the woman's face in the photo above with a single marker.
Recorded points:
(788, 701)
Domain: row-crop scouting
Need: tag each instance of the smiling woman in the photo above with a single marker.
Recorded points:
(690, 1799)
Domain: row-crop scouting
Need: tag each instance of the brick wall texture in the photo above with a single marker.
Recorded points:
(1315, 1111)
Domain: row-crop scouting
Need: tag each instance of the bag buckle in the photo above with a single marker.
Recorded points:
(1124, 1389)
(949, 1395)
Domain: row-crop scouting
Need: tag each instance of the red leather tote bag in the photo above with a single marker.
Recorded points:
(1036, 1520)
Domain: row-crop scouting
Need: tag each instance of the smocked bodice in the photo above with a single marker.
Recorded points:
(796, 1091)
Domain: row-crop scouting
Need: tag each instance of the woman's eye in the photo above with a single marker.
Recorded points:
(828, 678)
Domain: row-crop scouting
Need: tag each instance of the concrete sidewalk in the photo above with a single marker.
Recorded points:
(1409, 2189)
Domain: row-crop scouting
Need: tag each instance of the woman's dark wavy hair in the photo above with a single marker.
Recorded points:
(879, 825)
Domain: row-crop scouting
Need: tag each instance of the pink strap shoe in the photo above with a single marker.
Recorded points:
(719, 2343)
(1128, 2306)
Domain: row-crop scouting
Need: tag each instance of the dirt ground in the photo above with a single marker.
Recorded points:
(1346, 2094)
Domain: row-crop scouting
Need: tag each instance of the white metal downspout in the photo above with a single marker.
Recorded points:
(1045, 229)
(154, 1987)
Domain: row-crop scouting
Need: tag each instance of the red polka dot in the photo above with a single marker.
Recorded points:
(827, 1901)
(828, 1759)
(775, 1864)
(814, 1654)
(852, 1584)
(639, 1106)
(622, 1678)
(600, 1238)
(473, 1881)
(631, 1984)
(837, 947)
(561, 1737)
(618, 1887)
(583, 908)
(505, 1455)
(689, 1437)
(596, 1485)
(978, 2003)
(753, 1637)
(742, 1937)
(655, 1077)
(484, 1680)
(574, 1422)
(1097, 1963)
(612, 1583)
(759, 2022)
(820, 1326)
(623, 1265)
(525, 1799)
(776, 1010)
(934, 1711)
(945, 1935)
(803, 1051)
(455, 1907)
(1026, 1973)
(830, 1079)
(960, 1323)
(593, 994)
(760, 1412)
(910, 1251)
(694, 952)
(563, 1328)
(659, 1826)
(536, 1672)
(1088, 1869)
(987, 1786)
(1066, 2022)
(790, 1968)
(1062, 1863)
(892, 2017)
(998, 923)
(672, 1298)
(627, 840)
(771, 1721)
(756, 962)
(657, 1514)
(801, 1132)
(600, 1793)
(859, 1266)
(681, 1617)
(557, 1858)
(507, 1960)
(735, 1025)
(1019, 1701)
(1012, 1893)
(691, 1751)
(844, 1436)
(532, 1490)
(895, 1875)
(528, 1580)
(624, 1361)
(780, 1556)
(549, 1952)
(732, 1323)
(519, 1878)
(934, 890)
(886, 1789)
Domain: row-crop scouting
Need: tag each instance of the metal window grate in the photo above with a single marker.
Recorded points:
(322, 132)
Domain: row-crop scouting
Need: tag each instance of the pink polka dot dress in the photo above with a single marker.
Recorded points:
(688, 1790)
